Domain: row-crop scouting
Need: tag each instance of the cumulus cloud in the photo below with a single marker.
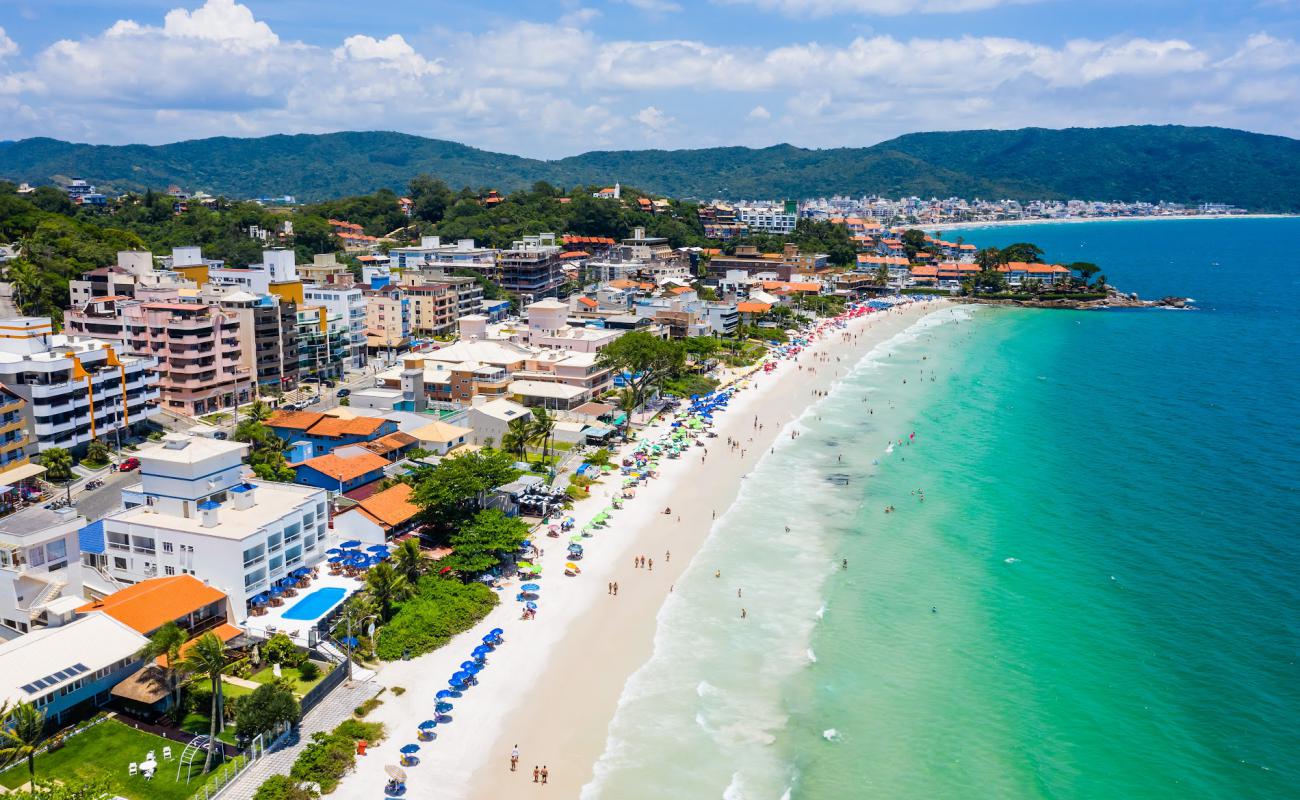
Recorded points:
(553, 88)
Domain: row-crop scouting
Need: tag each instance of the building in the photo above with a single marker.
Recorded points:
(434, 308)
(347, 303)
(388, 319)
(193, 513)
(76, 389)
(324, 343)
(16, 444)
(39, 565)
(431, 252)
(441, 438)
(341, 474)
(776, 266)
(490, 419)
(325, 270)
(184, 599)
(379, 518)
(68, 671)
(268, 334)
(325, 432)
(531, 268)
(770, 218)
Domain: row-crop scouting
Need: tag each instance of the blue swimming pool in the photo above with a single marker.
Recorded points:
(315, 605)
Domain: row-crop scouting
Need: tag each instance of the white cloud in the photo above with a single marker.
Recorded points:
(653, 118)
(8, 47)
(759, 113)
(655, 6)
(822, 8)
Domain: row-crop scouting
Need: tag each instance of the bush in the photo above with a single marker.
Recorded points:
(270, 705)
(576, 492)
(309, 670)
(367, 706)
(282, 787)
(198, 697)
(356, 730)
(581, 481)
(398, 691)
(440, 609)
(325, 760)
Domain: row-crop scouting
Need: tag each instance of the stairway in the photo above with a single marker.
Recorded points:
(51, 591)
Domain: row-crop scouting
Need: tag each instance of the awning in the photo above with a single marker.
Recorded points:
(597, 431)
(91, 538)
(23, 472)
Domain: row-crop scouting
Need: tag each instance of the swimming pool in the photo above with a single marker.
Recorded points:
(315, 605)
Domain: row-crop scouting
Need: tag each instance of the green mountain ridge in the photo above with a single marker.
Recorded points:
(1135, 163)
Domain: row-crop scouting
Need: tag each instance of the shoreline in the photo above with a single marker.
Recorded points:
(1004, 223)
(555, 684)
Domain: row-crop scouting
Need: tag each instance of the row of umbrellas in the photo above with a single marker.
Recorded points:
(348, 554)
(279, 586)
(459, 681)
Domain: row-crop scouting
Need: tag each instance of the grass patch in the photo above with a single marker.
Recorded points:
(103, 753)
(300, 686)
(199, 725)
(229, 689)
(368, 706)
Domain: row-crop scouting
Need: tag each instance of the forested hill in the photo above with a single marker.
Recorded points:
(1151, 163)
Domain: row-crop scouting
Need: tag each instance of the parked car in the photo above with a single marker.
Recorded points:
(328, 382)
(290, 407)
(344, 392)
(220, 435)
(130, 464)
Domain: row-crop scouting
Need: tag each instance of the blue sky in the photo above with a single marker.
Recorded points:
(550, 79)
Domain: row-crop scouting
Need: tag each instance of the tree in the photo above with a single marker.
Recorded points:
(258, 411)
(1086, 270)
(387, 587)
(57, 463)
(28, 287)
(644, 361)
(409, 561)
(280, 649)
(988, 258)
(97, 452)
(479, 545)
(541, 429)
(457, 487)
(913, 242)
(517, 436)
(166, 642)
(269, 706)
(21, 733)
(628, 404)
(283, 787)
(1022, 251)
(207, 658)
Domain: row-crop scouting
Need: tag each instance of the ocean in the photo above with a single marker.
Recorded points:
(1088, 585)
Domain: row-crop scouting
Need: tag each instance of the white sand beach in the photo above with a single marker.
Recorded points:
(553, 686)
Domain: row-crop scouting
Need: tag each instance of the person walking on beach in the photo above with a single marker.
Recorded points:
(668, 554)
(616, 588)
(651, 562)
(609, 588)
(536, 773)
(545, 774)
(743, 613)
(514, 758)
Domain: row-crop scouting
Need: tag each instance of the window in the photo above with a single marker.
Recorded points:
(169, 570)
(119, 563)
(57, 550)
(253, 555)
(118, 541)
(36, 556)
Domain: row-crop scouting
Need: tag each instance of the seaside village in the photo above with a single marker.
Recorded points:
(232, 493)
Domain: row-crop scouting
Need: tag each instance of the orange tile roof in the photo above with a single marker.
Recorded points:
(346, 469)
(225, 632)
(575, 254)
(391, 507)
(357, 426)
(298, 420)
(149, 604)
(753, 308)
(924, 272)
(391, 442)
(588, 302)
(680, 290)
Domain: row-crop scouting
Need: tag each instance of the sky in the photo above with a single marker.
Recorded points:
(550, 79)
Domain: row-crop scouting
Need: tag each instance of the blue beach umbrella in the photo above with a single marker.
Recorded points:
(408, 749)
(530, 587)
(474, 669)
(489, 638)
(465, 665)
(350, 641)
(334, 551)
(455, 684)
(378, 548)
(530, 605)
(276, 591)
(496, 632)
(427, 724)
(442, 708)
(441, 693)
(350, 543)
(337, 559)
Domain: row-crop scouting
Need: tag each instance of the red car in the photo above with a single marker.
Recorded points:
(130, 464)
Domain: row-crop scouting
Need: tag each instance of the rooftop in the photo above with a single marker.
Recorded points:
(273, 502)
(346, 469)
(39, 662)
(181, 449)
(148, 605)
(390, 507)
(440, 432)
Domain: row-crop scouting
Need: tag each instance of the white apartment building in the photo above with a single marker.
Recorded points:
(769, 219)
(77, 389)
(348, 304)
(194, 513)
(39, 566)
(464, 254)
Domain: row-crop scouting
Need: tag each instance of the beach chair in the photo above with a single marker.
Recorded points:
(167, 754)
(132, 769)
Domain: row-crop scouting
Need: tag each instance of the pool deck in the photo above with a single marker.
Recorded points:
(274, 622)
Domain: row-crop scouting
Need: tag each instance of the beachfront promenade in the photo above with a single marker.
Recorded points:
(554, 684)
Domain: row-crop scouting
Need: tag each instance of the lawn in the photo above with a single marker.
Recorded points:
(300, 686)
(200, 724)
(104, 751)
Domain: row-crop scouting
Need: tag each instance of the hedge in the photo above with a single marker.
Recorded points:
(440, 609)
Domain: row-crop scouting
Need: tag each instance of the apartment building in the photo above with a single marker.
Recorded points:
(431, 252)
(76, 389)
(468, 291)
(193, 513)
(198, 352)
(39, 564)
(324, 343)
(771, 218)
(136, 275)
(15, 442)
(347, 303)
(325, 270)
(388, 319)
(531, 268)
(433, 308)
(268, 334)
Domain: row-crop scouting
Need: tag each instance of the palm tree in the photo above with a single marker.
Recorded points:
(515, 439)
(627, 403)
(207, 657)
(542, 426)
(28, 287)
(21, 733)
(167, 642)
(409, 562)
(57, 463)
(258, 411)
(386, 586)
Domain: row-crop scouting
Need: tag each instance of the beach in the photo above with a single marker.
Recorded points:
(999, 223)
(553, 686)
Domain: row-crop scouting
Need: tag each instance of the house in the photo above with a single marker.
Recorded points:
(751, 311)
(327, 431)
(393, 447)
(441, 438)
(39, 563)
(69, 670)
(490, 419)
(340, 474)
(379, 518)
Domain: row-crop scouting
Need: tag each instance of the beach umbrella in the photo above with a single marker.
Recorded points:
(334, 551)
(530, 605)
(442, 693)
(337, 559)
(474, 669)
(571, 565)
(465, 665)
(396, 773)
(350, 641)
(378, 548)
(276, 591)
(408, 749)
(442, 708)
(427, 724)
(530, 587)
(456, 684)
(496, 632)
(350, 543)
(524, 565)
(575, 538)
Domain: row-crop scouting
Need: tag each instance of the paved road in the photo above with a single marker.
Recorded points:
(99, 503)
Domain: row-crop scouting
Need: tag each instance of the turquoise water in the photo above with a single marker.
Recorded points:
(317, 604)
(1097, 597)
